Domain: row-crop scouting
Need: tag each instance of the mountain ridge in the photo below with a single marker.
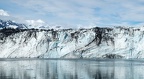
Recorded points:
(11, 24)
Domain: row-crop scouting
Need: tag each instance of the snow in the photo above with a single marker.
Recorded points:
(12, 26)
(35, 23)
(118, 42)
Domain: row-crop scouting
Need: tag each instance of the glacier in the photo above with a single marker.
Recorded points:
(97, 42)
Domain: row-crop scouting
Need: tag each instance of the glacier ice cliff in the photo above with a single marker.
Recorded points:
(114, 42)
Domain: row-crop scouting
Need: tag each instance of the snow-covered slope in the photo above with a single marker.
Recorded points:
(116, 42)
(11, 24)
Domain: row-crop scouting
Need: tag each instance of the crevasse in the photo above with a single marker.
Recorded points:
(115, 42)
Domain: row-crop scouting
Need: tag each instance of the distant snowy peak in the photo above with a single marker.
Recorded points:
(11, 24)
(36, 23)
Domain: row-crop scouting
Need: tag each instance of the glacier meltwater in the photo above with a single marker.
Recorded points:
(98, 42)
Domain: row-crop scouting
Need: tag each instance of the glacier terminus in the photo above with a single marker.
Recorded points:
(97, 42)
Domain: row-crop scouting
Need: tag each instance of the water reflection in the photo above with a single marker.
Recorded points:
(71, 69)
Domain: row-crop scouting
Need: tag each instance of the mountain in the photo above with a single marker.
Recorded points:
(98, 42)
(11, 24)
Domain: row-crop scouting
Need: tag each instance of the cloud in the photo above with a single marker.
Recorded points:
(87, 12)
(3, 13)
(35, 23)
(5, 16)
(63, 11)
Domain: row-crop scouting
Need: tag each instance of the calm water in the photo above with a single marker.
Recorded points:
(71, 69)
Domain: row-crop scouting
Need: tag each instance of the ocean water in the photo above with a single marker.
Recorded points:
(71, 69)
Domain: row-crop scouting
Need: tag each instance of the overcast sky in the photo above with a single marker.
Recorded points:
(74, 13)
